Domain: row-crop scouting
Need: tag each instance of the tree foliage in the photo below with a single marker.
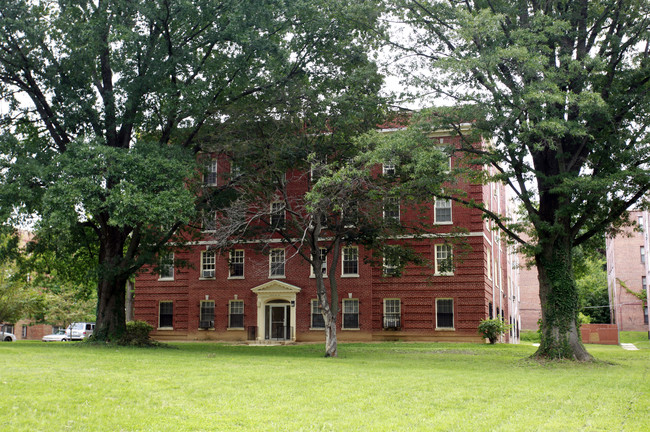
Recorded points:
(110, 101)
(563, 87)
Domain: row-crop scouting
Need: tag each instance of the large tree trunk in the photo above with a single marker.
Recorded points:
(331, 344)
(111, 288)
(560, 331)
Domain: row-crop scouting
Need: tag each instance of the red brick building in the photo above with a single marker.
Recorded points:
(246, 295)
(627, 273)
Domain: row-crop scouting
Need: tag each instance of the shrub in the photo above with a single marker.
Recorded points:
(529, 336)
(137, 334)
(492, 329)
(583, 319)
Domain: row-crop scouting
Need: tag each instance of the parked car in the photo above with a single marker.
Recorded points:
(79, 330)
(7, 337)
(59, 336)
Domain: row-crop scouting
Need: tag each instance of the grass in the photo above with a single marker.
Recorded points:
(370, 387)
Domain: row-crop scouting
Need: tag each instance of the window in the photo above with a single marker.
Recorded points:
(391, 263)
(391, 210)
(276, 263)
(166, 314)
(644, 282)
(24, 332)
(389, 169)
(350, 314)
(236, 314)
(277, 215)
(489, 264)
(442, 212)
(210, 177)
(209, 220)
(323, 259)
(444, 260)
(317, 320)
(235, 170)
(640, 222)
(166, 266)
(392, 314)
(206, 314)
(645, 315)
(237, 263)
(350, 261)
(642, 255)
(207, 264)
(445, 313)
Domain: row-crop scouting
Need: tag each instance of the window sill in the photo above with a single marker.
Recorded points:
(165, 279)
(206, 329)
(317, 328)
(351, 329)
(277, 277)
(314, 276)
(350, 275)
(165, 328)
(444, 223)
(236, 328)
(207, 278)
(235, 277)
(443, 274)
(445, 329)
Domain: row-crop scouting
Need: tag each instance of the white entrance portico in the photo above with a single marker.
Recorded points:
(276, 310)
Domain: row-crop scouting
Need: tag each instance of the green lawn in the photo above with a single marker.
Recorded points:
(371, 387)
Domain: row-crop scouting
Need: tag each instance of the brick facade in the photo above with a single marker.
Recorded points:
(482, 279)
(627, 268)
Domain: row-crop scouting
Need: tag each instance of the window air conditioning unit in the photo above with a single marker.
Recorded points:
(206, 324)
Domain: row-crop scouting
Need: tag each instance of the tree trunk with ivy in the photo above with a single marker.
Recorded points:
(558, 293)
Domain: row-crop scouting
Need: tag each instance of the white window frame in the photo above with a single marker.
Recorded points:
(209, 222)
(166, 267)
(449, 252)
(208, 264)
(236, 256)
(642, 252)
(232, 304)
(280, 213)
(389, 307)
(273, 259)
(436, 219)
(453, 315)
(354, 311)
(201, 303)
(394, 201)
(389, 169)
(489, 264)
(344, 251)
(323, 257)
(160, 303)
(315, 310)
(389, 268)
(210, 176)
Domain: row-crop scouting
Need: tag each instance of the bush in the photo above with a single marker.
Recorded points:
(529, 336)
(137, 334)
(583, 319)
(492, 329)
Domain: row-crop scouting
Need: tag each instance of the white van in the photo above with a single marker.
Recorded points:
(79, 330)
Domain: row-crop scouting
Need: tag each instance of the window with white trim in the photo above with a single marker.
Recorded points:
(166, 266)
(206, 314)
(350, 265)
(208, 261)
(276, 263)
(391, 210)
(209, 220)
(317, 320)
(350, 314)
(391, 263)
(489, 264)
(236, 314)
(642, 251)
(278, 218)
(236, 263)
(444, 313)
(442, 213)
(166, 314)
(392, 313)
(323, 259)
(210, 177)
(389, 169)
(444, 262)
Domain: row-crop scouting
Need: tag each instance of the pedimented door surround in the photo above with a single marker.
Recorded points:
(274, 292)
